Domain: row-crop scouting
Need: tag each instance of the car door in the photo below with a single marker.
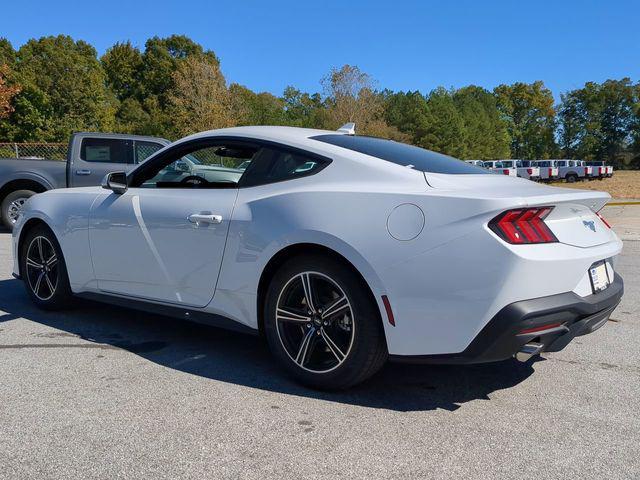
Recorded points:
(98, 156)
(164, 238)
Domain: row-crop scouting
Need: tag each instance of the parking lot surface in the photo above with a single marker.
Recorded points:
(103, 392)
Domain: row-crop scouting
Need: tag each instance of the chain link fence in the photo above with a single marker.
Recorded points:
(34, 151)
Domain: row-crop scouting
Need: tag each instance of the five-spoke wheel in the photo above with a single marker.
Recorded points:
(322, 323)
(43, 269)
(315, 322)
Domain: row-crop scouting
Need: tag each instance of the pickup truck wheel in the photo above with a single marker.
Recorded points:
(12, 205)
(43, 269)
(572, 178)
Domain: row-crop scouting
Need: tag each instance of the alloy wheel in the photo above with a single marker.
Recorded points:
(42, 268)
(15, 207)
(315, 322)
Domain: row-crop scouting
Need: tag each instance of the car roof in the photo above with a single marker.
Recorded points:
(275, 133)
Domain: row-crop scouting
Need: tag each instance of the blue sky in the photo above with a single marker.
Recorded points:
(405, 45)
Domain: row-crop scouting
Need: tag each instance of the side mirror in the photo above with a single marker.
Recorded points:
(116, 182)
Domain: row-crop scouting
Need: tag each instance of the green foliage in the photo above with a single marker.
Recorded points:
(174, 87)
(63, 90)
(122, 65)
(600, 121)
(7, 53)
(486, 133)
(530, 114)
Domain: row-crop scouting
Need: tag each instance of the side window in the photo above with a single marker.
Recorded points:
(216, 166)
(272, 165)
(143, 150)
(106, 150)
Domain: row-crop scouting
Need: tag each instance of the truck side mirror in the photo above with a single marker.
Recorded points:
(116, 182)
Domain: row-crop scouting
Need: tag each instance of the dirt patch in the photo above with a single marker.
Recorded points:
(623, 184)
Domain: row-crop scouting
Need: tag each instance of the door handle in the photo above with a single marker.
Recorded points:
(83, 172)
(199, 218)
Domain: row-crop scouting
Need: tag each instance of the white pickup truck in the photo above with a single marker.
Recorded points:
(574, 170)
(601, 169)
(499, 167)
(522, 168)
(548, 170)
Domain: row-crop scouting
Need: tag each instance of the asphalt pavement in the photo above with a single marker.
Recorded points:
(104, 392)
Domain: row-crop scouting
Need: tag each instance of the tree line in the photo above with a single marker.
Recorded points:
(53, 86)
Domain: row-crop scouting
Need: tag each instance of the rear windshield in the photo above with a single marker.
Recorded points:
(402, 154)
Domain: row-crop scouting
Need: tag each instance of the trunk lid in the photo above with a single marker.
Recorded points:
(573, 219)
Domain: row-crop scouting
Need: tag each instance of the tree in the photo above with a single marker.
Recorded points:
(199, 99)
(408, 113)
(122, 65)
(63, 89)
(7, 92)
(445, 130)
(256, 108)
(486, 133)
(7, 53)
(302, 109)
(599, 121)
(530, 115)
(351, 98)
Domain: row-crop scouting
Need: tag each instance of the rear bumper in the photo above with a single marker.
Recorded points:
(502, 337)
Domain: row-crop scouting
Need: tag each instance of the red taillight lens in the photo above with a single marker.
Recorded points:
(523, 225)
(603, 220)
(586, 170)
(506, 172)
(530, 171)
(551, 172)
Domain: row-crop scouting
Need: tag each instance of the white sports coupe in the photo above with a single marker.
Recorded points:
(342, 250)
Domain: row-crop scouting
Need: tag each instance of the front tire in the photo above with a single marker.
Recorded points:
(322, 325)
(12, 206)
(43, 269)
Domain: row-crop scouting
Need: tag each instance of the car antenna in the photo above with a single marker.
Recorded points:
(348, 128)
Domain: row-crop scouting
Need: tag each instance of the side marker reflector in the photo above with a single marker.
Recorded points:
(387, 307)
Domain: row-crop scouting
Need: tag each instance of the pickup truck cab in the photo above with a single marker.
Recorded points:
(499, 166)
(89, 158)
(548, 170)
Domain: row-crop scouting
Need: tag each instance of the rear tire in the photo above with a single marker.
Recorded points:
(333, 341)
(572, 178)
(11, 206)
(43, 269)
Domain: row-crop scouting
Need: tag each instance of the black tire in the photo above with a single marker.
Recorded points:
(571, 178)
(355, 329)
(7, 209)
(43, 269)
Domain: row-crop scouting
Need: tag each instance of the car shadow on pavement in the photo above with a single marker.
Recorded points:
(245, 360)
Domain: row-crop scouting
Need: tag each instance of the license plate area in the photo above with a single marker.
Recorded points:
(599, 276)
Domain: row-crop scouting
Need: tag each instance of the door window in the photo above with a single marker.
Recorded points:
(218, 166)
(144, 150)
(106, 150)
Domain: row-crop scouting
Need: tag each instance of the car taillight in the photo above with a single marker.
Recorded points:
(603, 220)
(523, 226)
(506, 171)
(586, 170)
(530, 171)
(551, 172)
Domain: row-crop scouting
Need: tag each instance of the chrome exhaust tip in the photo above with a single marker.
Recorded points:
(529, 350)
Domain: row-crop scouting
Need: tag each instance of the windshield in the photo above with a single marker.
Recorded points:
(402, 154)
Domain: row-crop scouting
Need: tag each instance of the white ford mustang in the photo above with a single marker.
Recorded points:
(343, 250)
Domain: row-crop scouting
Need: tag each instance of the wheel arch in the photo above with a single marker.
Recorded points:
(306, 248)
(26, 228)
(22, 184)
